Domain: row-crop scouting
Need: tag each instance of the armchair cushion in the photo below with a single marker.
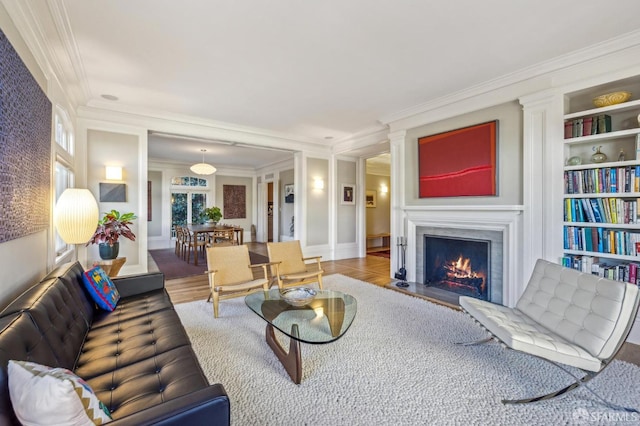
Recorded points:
(43, 395)
(101, 288)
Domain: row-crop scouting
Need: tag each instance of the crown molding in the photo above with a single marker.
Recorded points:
(60, 19)
(366, 138)
(571, 59)
(180, 124)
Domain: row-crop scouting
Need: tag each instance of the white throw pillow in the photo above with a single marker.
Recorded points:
(43, 395)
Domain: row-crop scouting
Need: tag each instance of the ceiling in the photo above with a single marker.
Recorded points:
(321, 71)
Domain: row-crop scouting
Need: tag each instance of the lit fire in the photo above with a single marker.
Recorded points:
(459, 274)
(461, 268)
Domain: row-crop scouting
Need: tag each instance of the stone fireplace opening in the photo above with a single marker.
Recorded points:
(458, 265)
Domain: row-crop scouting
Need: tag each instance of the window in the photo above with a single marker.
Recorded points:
(64, 176)
(64, 131)
(188, 200)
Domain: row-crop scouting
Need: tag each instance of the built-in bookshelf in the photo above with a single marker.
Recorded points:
(602, 195)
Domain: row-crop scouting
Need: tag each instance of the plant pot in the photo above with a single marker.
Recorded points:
(108, 252)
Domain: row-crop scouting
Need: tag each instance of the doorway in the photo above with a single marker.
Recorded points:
(270, 212)
(186, 207)
(378, 205)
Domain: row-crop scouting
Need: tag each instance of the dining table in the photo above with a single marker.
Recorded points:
(212, 229)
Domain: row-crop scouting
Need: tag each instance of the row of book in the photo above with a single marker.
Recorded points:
(602, 180)
(586, 126)
(601, 240)
(627, 272)
(601, 210)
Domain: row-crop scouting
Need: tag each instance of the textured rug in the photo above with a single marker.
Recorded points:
(396, 365)
(173, 266)
(386, 254)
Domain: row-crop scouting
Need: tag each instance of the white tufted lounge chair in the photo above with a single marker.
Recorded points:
(565, 317)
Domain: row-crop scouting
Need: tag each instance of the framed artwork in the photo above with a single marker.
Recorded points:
(234, 201)
(288, 193)
(348, 194)
(459, 163)
(113, 192)
(371, 198)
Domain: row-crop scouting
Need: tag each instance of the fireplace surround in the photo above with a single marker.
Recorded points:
(499, 224)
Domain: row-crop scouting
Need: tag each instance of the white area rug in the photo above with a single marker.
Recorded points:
(396, 365)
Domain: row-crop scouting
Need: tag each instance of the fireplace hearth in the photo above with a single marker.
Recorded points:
(458, 265)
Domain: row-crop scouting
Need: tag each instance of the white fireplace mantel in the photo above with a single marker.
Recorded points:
(503, 218)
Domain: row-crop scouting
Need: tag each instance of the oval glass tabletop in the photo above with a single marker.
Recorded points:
(324, 319)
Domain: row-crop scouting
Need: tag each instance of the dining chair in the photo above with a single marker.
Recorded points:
(222, 237)
(192, 244)
(289, 268)
(230, 274)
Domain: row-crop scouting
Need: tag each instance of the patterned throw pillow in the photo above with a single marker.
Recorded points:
(43, 395)
(101, 288)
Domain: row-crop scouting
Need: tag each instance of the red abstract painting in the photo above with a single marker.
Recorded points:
(459, 163)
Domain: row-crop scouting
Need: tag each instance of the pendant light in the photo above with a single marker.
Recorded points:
(203, 168)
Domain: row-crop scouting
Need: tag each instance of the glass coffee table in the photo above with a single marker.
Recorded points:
(323, 320)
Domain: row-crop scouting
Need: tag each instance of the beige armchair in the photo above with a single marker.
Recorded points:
(289, 268)
(231, 275)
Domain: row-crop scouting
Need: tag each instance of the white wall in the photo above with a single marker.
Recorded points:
(129, 151)
(346, 229)
(247, 182)
(379, 217)
(509, 155)
(154, 226)
(317, 202)
(286, 209)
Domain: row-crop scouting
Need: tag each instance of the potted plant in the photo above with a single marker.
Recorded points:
(212, 214)
(109, 230)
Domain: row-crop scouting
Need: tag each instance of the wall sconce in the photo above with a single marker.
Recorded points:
(384, 188)
(318, 183)
(113, 172)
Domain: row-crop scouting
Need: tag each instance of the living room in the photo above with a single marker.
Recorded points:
(530, 98)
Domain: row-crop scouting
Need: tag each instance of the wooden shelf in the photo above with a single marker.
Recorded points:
(385, 245)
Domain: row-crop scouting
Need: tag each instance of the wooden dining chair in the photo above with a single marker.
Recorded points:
(222, 237)
(193, 244)
(230, 274)
(289, 268)
(179, 248)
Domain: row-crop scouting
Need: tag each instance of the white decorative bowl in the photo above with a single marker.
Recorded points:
(611, 99)
(298, 296)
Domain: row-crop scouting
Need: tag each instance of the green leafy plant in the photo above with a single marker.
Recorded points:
(212, 213)
(112, 226)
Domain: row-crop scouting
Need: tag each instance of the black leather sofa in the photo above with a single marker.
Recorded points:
(138, 358)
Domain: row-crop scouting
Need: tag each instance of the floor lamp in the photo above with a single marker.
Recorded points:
(76, 216)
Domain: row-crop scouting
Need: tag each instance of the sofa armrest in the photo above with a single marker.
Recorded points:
(138, 284)
(208, 406)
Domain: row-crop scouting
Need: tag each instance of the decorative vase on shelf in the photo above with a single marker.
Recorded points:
(108, 252)
(598, 157)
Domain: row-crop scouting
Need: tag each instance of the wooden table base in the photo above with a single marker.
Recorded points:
(291, 361)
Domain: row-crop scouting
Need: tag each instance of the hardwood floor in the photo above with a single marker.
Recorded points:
(372, 269)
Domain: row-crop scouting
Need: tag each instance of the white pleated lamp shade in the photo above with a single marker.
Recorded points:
(76, 215)
(203, 169)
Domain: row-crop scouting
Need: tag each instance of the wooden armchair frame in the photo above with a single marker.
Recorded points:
(289, 268)
(230, 274)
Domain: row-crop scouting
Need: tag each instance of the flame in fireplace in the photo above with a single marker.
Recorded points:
(459, 272)
(461, 268)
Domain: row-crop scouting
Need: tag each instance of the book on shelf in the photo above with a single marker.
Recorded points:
(586, 126)
(604, 123)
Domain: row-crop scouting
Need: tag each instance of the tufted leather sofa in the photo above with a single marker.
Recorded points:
(138, 358)
(564, 316)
